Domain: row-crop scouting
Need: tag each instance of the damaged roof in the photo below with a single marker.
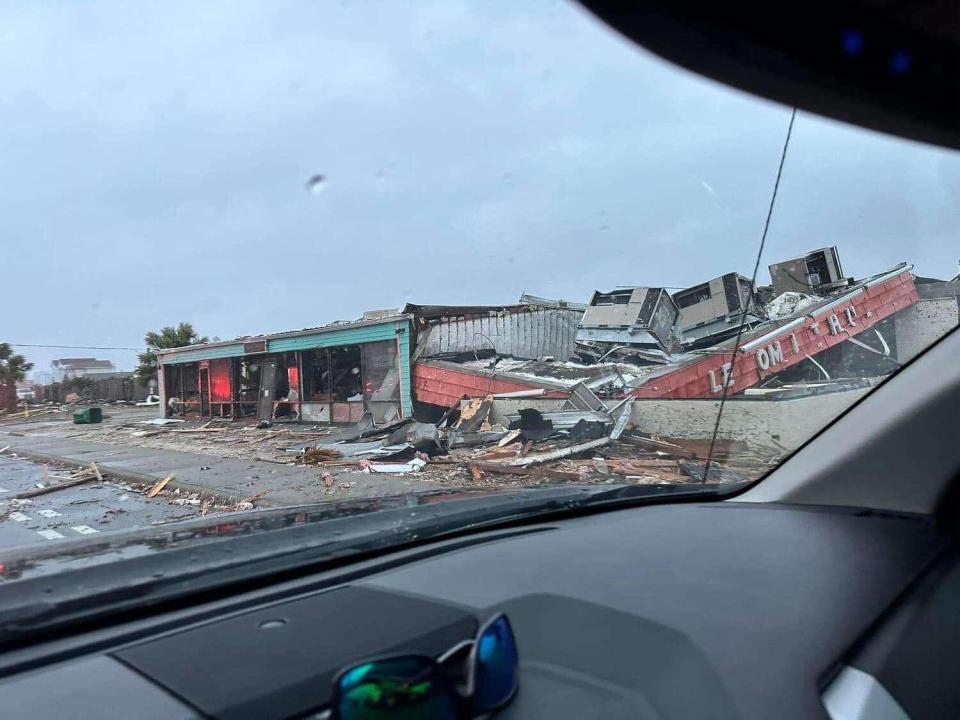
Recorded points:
(331, 327)
(700, 376)
(528, 303)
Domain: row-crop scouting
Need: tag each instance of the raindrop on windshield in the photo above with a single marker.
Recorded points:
(316, 184)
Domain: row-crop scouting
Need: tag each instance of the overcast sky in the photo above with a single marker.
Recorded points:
(155, 159)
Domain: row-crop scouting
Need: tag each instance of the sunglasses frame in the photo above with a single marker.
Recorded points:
(463, 693)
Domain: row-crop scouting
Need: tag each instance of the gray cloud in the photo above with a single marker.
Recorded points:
(155, 161)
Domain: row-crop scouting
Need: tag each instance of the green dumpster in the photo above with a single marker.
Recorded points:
(87, 416)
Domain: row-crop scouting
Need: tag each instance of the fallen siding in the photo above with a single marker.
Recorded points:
(439, 384)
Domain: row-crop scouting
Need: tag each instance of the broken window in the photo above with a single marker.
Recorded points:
(334, 376)
(381, 379)
(221, 384)
(181, 382)
(345, 374)
(248, 385)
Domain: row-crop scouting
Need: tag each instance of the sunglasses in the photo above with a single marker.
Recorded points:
(472, 678)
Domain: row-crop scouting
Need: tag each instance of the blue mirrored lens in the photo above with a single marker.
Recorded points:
(496, 666)
(395, 689)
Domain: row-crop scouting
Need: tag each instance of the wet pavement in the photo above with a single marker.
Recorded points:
(73, 512)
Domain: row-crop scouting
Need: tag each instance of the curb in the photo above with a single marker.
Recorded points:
(125, 475)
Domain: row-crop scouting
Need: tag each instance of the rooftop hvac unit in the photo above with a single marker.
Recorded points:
(817, 271)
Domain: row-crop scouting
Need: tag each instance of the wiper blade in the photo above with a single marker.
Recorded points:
(628, 492)
(234, 564)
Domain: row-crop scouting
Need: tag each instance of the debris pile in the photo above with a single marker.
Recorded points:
(466, 447)
(788, 303)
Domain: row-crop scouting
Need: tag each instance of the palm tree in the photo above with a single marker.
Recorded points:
(168, 337)
(13, 369)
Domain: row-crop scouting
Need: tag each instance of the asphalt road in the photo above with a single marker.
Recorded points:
(71, 513)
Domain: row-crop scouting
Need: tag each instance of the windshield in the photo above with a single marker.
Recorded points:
(263, 255)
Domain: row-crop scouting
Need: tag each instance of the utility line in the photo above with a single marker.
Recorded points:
(746, 308)
(77, 347)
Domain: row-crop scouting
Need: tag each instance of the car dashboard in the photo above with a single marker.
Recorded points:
(720, 609)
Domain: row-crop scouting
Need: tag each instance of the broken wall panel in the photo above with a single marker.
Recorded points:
(438, 383)
(767, 351)
(936, 313)
(381, 380)
(524, 332)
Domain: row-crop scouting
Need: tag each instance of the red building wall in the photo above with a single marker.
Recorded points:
(8, 397)
(825, 328)
(220, 390)
(443, 386)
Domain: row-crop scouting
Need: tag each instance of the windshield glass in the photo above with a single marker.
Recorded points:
(263, 255)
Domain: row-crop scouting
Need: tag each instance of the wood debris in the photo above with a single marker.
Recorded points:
(79, 478)
(313, 456)
(155, 490)
(539, 458)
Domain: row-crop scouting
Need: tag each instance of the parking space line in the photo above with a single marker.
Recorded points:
(48, 513)
(49, 534)
(83, 529)
(19, 517)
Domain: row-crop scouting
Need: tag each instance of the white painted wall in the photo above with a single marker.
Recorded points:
(779, 424)
(923, 323)
(782, 424)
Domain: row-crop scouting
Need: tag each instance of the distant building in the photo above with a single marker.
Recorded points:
(67, 368)
(41, 377)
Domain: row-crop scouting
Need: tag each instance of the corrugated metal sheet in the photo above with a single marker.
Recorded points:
(528, 299)
(526, 334)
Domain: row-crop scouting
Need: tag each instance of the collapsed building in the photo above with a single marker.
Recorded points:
(340, 372)
(788, 356)
(802, 356)
(770, 348)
